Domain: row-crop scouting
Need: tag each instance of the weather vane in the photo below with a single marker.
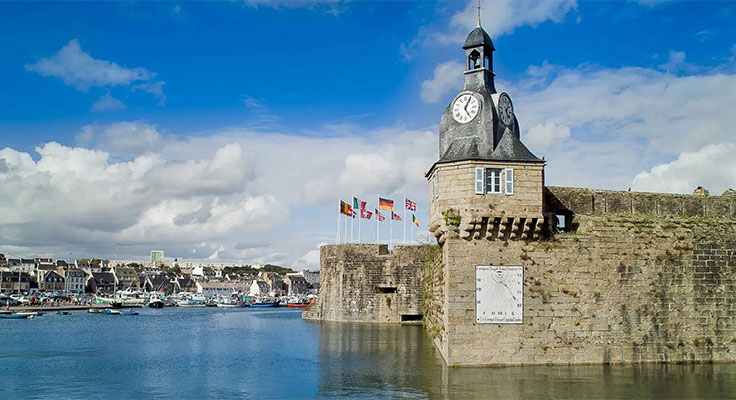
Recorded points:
(478, 13)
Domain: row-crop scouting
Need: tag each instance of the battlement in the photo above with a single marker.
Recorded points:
(568, 200)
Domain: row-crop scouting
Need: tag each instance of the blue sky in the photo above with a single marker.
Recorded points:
(293, 104)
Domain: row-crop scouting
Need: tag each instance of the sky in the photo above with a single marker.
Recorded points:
(228, 131)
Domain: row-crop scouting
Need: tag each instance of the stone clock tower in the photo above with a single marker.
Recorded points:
(486, 183)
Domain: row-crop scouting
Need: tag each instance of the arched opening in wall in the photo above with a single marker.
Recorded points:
(487, 63)
(473, 60)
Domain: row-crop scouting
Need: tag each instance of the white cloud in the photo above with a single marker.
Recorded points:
(712, 167)
(499, 17)
(130, 183)
(546, 135)
(122, 139)
(79, 69)
(622, 121)
(108, 103)
(447, 76)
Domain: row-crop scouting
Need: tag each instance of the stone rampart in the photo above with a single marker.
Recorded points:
(611, 202)
(623, 288)
(367, 283)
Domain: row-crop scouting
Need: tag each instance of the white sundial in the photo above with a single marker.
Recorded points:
(465, 108)
(505, 109)
(499, 294)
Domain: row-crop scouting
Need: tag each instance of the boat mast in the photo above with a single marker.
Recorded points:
(114, 272)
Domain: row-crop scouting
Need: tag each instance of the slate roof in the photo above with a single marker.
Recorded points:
(478, 37)
(509, 148)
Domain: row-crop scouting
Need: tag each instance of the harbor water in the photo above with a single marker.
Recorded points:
(196, 353)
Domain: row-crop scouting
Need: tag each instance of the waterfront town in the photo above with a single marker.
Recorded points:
(66, 280)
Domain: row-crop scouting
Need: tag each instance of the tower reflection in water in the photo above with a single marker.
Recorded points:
(373, 361)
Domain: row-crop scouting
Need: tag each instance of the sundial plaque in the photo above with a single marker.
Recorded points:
(499, 294)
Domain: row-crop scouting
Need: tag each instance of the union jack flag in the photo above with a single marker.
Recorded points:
(410, 205)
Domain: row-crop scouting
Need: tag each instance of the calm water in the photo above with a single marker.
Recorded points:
(273, 354)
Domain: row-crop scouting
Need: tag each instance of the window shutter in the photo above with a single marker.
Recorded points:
(509, 181)
(479, 181)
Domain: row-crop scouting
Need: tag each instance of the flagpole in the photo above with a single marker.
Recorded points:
(390, 229)
(346, 229)
(404, 220)
(359, 218)
(352, 220)
(412, 229)
(377, 231)
(337, 238)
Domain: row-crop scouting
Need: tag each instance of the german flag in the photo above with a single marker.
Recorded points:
(346, 209)
(385, 204)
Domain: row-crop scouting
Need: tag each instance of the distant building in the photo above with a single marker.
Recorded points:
(258, 287)
(296, 285)
(75, 280)
(101, 282)
(11, 281)
(127, 278)
(202, 271)
(275, 282)
(209, 289)
(52, 282)
(157, 256)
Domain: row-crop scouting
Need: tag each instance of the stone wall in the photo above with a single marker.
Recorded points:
(367, 283)
(458, 210)
(623, 288)
(599, 202)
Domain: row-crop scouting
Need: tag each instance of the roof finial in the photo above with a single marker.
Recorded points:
(478, 13)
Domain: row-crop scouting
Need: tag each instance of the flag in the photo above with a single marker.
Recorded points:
(365, 214)
(395, 216)
(410, 205)
(385, 204)
(362, 205)
(345, 208)
(356, 203)
(414, 219)
(380, 216)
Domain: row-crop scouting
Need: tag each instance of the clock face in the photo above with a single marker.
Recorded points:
(505, 109)
(499, 297)
(465, 108)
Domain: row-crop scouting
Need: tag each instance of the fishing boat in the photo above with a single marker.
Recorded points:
(230, 302)
(120, 312)
(156, 302)
(265, 302)
(63, 313)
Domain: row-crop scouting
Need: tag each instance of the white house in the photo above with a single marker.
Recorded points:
(258, 287)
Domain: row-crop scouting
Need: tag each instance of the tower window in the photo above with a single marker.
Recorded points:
(493, 180)
(487, 63)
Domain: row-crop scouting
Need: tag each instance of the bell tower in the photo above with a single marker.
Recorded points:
(486, 183)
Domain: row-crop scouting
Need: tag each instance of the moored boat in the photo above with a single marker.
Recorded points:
(18, 315)
(265, 302)
(156, 302)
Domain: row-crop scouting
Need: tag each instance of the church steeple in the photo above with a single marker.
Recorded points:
(479, 61)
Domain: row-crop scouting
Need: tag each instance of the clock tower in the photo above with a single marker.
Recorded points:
(486, 184)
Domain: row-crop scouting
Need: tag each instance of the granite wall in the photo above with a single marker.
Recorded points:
(367, 283)
(626, 288)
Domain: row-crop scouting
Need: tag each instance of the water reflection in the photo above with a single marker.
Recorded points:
(380, 360)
